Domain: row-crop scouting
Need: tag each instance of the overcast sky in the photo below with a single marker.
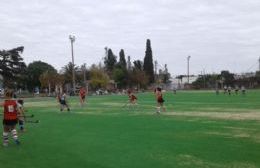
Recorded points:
(218, 34)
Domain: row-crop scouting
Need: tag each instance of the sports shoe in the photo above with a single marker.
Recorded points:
(17, 142)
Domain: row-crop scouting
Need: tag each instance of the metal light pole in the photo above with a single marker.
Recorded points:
(188, 68)
(259, 64)
(72, 40)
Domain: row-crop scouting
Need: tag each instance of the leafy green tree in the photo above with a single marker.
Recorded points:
(51, 80)
(35, 70)
(67, 72)
(227, 77)
(99, 79)
(12, 67)
(119, 75)
(164, 75)
(138, 76)
(207, 81)
(148, 62)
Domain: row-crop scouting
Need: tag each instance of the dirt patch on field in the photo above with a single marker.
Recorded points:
(113, 104)
(215, 109)
(219, 115)
(192, 161)
(238, 133)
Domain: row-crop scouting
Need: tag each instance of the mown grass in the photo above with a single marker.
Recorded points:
(105, 135)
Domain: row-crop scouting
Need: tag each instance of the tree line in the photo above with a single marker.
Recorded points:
(225, 78)
(115, 70)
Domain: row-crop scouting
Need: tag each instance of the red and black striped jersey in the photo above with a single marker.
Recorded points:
(10, 110)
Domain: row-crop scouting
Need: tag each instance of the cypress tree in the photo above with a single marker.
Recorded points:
(148, 62)
(110, 61)
(122, 60)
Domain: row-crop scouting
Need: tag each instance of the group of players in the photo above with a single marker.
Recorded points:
(132, 99)
(14, 110)
(158, 95)
(61, 98)
(228, 90)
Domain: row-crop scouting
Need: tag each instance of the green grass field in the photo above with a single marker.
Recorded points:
(199, 130)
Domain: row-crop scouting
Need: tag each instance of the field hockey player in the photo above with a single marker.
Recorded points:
(10, 118)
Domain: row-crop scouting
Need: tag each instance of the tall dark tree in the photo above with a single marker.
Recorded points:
(138, 65)
(122, 60)
(227, 77)
(129, 66)
(110, 61)
(148, 62)
(35, 70)
(12, 67)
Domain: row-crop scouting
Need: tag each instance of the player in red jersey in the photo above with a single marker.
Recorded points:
(160, 100)
(10, 118)
(132, 97)
(82, 95)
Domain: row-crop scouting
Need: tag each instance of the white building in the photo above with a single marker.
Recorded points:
(178, 82)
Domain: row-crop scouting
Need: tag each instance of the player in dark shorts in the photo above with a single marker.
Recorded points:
(236, 89)
(63, 101)
(225, 89)
(10, 118)
(229, 90)
(21, 117)
(217, 91)
(160, 100)
(243, 90)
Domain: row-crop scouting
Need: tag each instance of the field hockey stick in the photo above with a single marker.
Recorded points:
(125, 104)
(26, 116)
(32, 121)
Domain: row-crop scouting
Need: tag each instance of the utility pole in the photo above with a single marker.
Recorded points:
(155, 70)
(259, 63)
(188, 68)
(84, 72)
(204, 78)
(83, 68)
(72, 40)
(128, 63)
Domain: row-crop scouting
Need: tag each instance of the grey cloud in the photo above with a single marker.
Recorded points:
(217, 34)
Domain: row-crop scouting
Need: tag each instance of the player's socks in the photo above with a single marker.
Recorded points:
(14, 133)
(15, 137)
(5, 138)
(158, 110)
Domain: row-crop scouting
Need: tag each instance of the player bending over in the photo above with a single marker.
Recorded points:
(11, 111)
(160, 100)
